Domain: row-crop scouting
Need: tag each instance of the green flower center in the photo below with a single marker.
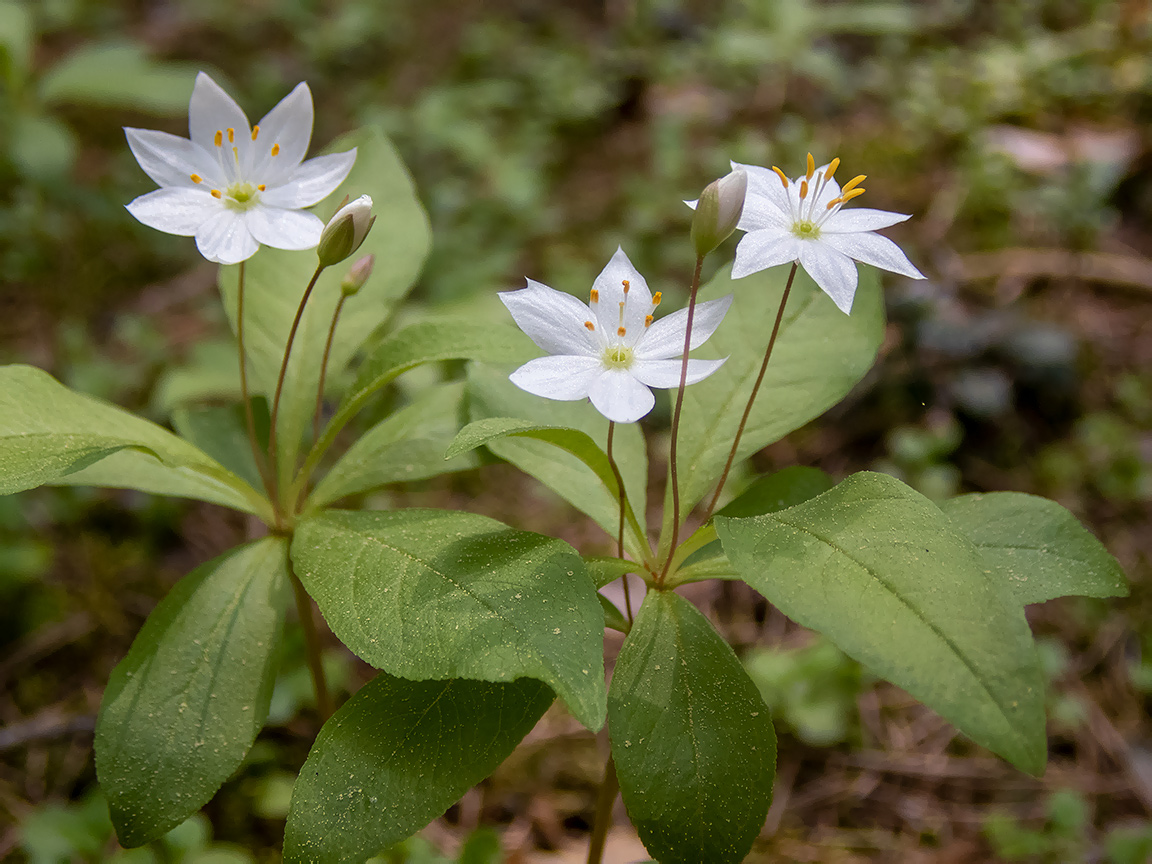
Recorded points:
(241, 196)
(618, 357)
(806, 230)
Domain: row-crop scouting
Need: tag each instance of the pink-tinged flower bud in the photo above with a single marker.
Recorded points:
(345, 231)
(718, 211)
(356, 277)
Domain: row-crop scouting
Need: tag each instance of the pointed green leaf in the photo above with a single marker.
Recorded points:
(785, 488)
(1036, 547)
(693, 741)
(182, 709)
(408, 445)
(819, 356)
(492, 395)
(878, 569)
(579, 444)
(433, 594)
(48, 433)
(397, 755)
(119, 75)
(275, 280)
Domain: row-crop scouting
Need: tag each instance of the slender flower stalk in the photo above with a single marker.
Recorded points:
(623, 499)
(609, 787)
(245, 395)
(752, 396)
(676, 419)
(324, 366)
(273, 457)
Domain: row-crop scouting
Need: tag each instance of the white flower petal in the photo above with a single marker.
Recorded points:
(860, 219)
(225, 238)
(617, 395)
(284, 229)
(610, 287)
(212, 110)
(768, 247)
(312, 181)
(666, 373)
(564, 377)
(875, 250)
(765, 184)
(833, 271)
(761, 212)
(287, 128)
(175, 210)
(171, 160)
(665, 338)
(552, 319)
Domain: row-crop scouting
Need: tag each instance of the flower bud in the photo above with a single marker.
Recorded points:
(355, 278)
(345, 231)
(718, 211)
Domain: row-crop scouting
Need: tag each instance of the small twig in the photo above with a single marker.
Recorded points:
(312, 642)
(46, 726)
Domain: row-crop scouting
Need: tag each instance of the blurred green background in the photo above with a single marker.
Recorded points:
(541, 135)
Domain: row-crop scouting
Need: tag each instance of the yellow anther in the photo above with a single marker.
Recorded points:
(219, 138)
(195, 178)
(853, 183)
(656, 298)
(620, 331)
(648, 319)
(626, 285)
(811, 167)
(595, 296)
(781, 175)
(834, 202)
(589, 325)
(261, 187)
(275, 149)
(831, 169)
(852, 193)
(216, 193)
(231, 135)
(803, 189)
(255, 131)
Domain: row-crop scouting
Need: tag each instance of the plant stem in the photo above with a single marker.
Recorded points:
(245, 397)
(273, 456)
(676, 418)
(324, 366)
(609, 786)
(620, 535)
(312, 641)
(755, 390)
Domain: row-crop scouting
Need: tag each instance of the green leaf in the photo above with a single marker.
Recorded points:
(426, 342)
(221, 431)
(1036, 547)
(433, 594)
(603, 570)
(693, 741)
(493, 395)
(786, 488)
(819, 356)
(613, 617)
(579, 444)
(119, 75)
(182, 709)
(275, 281)
(211, 374)
(48, 433)
(878, 569)
(408, 445)
(397, 755)
(42, 147)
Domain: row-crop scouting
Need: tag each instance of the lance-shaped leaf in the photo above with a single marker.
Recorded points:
(819, 356)
(434, 594)
(425, 342)
(275, 280)
(492, 395)
(573, 441)
(692, 739)
(49, 433)
(182, 709)
(397, 755)
(1036, 547)
(408, 445)
(879, 569)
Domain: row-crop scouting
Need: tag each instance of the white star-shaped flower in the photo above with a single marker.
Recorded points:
(611, 350)
(232, 186)
(803, 220)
